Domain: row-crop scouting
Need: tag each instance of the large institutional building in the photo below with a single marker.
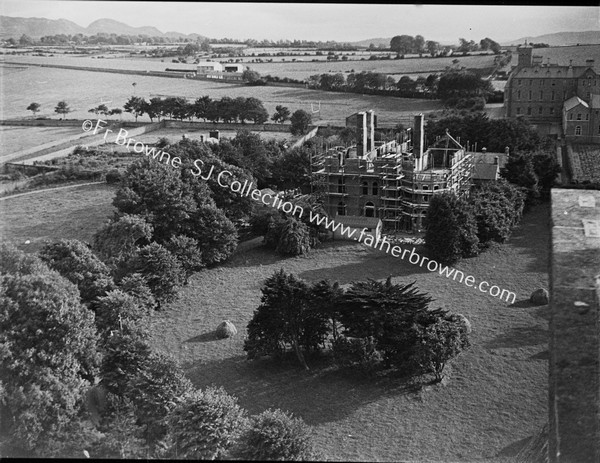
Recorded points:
(562, 100)
(392, 181)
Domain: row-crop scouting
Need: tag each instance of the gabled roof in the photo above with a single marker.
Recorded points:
(573, 102)
(357, 221)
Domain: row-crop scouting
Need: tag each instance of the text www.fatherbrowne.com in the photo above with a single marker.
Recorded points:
(227, 180)
(413, 257)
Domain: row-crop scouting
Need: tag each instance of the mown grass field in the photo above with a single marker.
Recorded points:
(17, 138)
(51, 215)
(83, 90)
(496, 396)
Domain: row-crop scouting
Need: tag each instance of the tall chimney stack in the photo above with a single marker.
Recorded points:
(418, 141)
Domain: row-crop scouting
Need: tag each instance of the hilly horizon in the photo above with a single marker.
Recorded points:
(38, 27)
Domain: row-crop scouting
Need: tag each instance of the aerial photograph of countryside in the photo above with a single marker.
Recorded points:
(357, 232)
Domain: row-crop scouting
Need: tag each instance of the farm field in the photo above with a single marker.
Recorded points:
(51, 215)
(297, 70)
(17, 138)
(83, 90)
(396, 68)
(496, 396)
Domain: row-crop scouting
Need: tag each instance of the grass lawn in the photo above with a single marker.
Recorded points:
(496, 397)
(51, 215)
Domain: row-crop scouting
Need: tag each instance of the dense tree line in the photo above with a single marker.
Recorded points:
(226, 109)
(371, 324)
(101, 38)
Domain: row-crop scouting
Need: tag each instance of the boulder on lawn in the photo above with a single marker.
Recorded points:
(226, 330)
(539, 297)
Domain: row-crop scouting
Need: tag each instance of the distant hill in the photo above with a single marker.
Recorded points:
(110, 26)
(379, 41)
(38, 27)
(561, 38)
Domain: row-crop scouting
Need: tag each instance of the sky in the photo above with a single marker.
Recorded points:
(321, 21)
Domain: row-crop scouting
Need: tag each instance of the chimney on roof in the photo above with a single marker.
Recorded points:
(418, 136)
(484, 150)
(496, 160)
(506, 151)
(589, 63)
(570, 63)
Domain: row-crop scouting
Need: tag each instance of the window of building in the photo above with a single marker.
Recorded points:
(375, 189)
(530, 94)
(588, 96)
(599, 130)
(553, 82)
(551, 110)
(365, 188)
(540, 110)
(341, 185)
(542, 82)
(570, 116)
(530, 82)
(578, 116)
(425, 187)
(587, 116)
(437, 187)
(518, 110)
(529, 111)
(519, 95)
(578, 130)
(541, 95)
(552, 95)
(369, 209)
(341, 209)
(519, 82)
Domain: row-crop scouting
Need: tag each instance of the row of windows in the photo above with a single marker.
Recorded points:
(365, 187)
(540, 111)
(369, 209)
(590, 81)
(587, 116)
(552, 95)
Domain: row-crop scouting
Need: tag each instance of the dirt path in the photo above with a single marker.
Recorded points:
(50, 189)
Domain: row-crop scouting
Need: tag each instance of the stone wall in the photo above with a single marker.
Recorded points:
(574, 380)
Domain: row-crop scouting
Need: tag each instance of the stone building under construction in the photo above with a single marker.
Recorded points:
(391, 180)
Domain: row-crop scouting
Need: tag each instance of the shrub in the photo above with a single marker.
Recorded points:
(205, 424)
(158, 388)
(188, 253)
(113, 176)
(76, 262)
(160, 269)
(276, 435)
(451, 229)
(117, 310)
(285, 317)
(438, 343)
(294, 239)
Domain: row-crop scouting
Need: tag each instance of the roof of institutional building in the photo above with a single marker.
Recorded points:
(552, 71)
(573, 102)
(357, 221)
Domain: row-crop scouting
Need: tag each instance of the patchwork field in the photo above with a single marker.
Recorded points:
(496, 396)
